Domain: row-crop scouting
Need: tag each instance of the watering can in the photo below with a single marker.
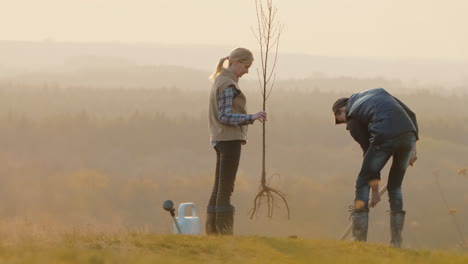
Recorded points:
(188, 225)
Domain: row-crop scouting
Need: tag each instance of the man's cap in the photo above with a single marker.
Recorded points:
(337, 105)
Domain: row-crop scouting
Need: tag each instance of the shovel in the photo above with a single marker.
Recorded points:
(350, 225)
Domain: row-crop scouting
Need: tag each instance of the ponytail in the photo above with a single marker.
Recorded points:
(218, 68)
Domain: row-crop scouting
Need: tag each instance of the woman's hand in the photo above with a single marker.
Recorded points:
(261, 116)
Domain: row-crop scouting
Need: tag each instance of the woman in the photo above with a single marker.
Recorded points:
(228, 120)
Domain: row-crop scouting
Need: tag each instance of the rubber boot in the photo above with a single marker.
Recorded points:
(360, 225)
(225, 223)
(210, 225)
(397, 221)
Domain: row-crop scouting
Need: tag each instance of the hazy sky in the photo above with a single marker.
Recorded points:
(371, 28)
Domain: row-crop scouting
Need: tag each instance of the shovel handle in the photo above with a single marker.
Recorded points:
(350, 224)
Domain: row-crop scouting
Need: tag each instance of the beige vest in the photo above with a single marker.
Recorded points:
(219, 131)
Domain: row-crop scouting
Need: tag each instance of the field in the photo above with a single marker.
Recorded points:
(140, 247)
(102, 158)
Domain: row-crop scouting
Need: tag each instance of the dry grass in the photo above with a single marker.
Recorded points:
(24, 242)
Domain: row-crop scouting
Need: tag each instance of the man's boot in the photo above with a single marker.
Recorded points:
(225, 223)
(210, 225)
(360, 224)
(397, 221)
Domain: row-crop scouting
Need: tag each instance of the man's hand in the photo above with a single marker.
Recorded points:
(375, 195)
(414, 156)
(375, 198)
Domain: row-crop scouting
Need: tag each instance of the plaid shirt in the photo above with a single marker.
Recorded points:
(225, 111)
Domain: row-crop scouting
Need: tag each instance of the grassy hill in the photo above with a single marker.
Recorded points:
(147, 248)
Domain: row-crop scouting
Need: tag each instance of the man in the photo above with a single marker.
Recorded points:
(384, 127)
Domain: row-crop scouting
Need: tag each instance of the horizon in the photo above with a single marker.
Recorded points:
(396, 29)
(226, 47)
(50, 56)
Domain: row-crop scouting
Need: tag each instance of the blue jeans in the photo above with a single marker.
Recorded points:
(400, 148)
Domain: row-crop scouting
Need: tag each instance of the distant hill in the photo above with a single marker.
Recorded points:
(102, 74)
(52, 56)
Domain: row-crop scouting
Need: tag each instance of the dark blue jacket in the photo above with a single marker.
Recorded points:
(375, 116)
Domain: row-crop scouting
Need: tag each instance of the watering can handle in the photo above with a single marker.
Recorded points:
(182, 209)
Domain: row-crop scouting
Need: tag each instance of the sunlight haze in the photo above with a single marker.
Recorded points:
(107, 112)
(365, 28)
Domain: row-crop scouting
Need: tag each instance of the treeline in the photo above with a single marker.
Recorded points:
(115, 74)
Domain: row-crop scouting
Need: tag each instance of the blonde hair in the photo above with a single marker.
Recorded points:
(238, 54)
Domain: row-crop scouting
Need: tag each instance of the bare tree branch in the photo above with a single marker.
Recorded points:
(271, 88)
(259, 82)
(255, 35)
(269, 32)
(276, 56)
